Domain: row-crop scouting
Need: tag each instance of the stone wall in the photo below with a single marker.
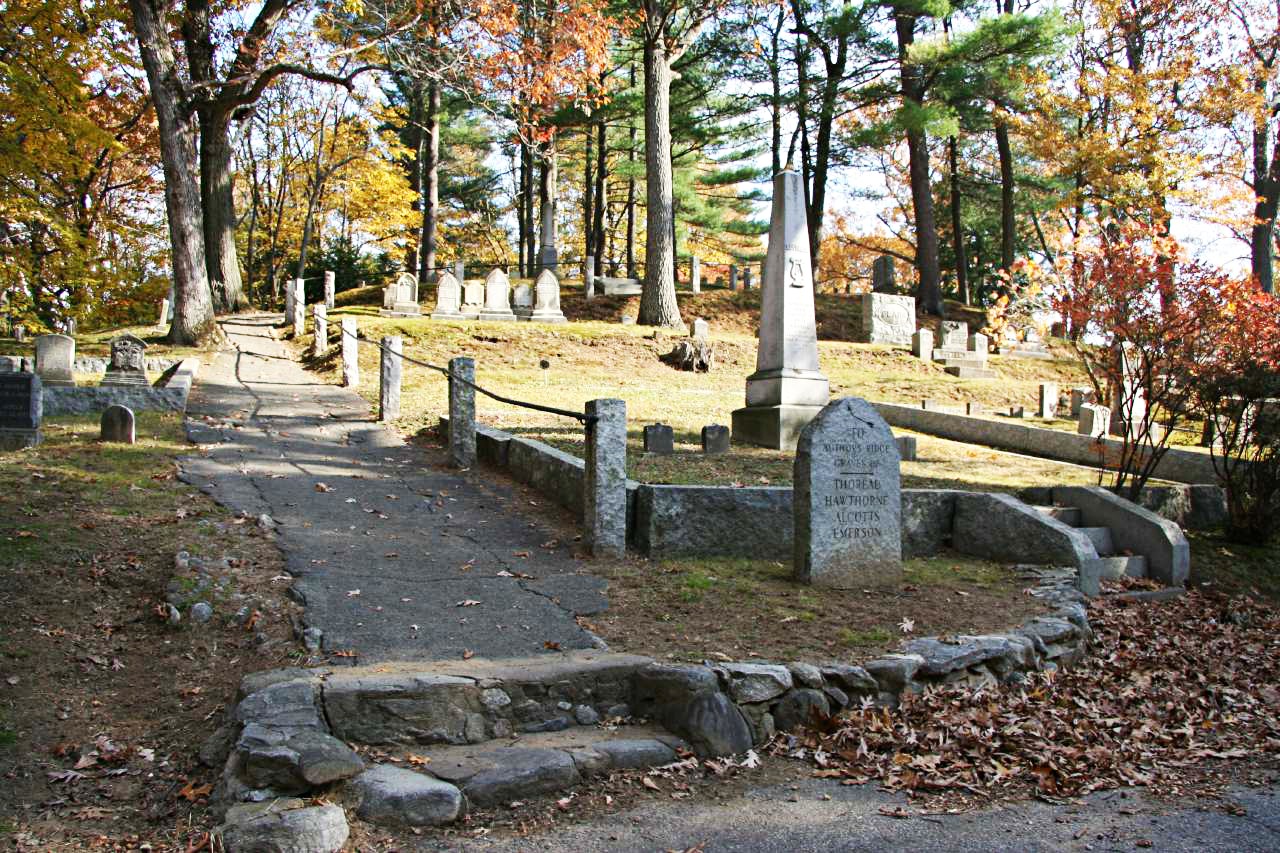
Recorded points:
(84, 364)
(1180, 466)
(169, 394)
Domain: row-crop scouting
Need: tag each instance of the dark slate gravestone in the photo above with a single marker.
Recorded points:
(659, 439)
(118, 425)
(715, 439)
(21, 410)
(848, 499)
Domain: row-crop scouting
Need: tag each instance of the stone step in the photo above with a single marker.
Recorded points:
(1101, 539)
(1068, 515)
(971, 373)
(1111, 568)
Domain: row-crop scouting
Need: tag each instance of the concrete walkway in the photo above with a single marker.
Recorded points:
(384, 542)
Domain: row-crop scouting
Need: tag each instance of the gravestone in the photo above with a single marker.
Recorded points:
(1048, 401)
(906, 447)
(701, 329)
(497, 295)
(71, 326)
(922, 344)
(695, 274)
(973, 409)
(522, 300)
(746, 278)
(472, 298)
(888, 319)
(546, 293)
(330, 289)
(848, 499)
(118, 425)
(659, 439)
(788, 388)
(733, 277)
(883, 275)
(459, 270)
(54, 356)
(1080, 396)
(448, 298)
(128, 364)
(953, 335)
(19, 333)
(21, 410)
(979, 345)
(164, 313)
(1093, 420)
(1130, 399)
(403, 297)
(715, 439)
(1017, 411)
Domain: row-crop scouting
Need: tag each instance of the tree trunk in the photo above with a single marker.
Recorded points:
(1006, 195)
(1266, 187)
(957, 227)
(548, 186)
(602, 195)
(658, 299)
(802, 117)
(929, 294)
(430, 183)
(415, 143)
(193, 321)
(775, 95)
(521, 182)
(217, 204)
(588, 190)
(631, 190)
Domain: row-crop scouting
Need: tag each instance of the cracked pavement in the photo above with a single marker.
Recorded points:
(384, 541)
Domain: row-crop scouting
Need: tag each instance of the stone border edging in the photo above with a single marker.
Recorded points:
(169, 394)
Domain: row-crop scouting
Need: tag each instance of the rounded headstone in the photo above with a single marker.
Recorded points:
(118, 425)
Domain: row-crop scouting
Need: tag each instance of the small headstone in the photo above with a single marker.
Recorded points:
(733, 278)
(522, 300)
(128, 362)
(472, 297)
(1048, 400)
(546, 293)
(1093, 420)
(848, 499)
(118, 425)
(883, 275)
(973, 409)
(695, 274)
(71, 326)
(1032, 335)
(888, 319)
(701, 329)
(1017, 411)
(659, 439)
(497, 296)
(19, 333)
(628, 320)
(953, 334)
(979, 344)
(164, 313)
(715, 439)
(448, 298)
(1080, 396)
(746, 278)
(922, 344)
(330, 289)
(21, 410)
(54, 356)
(404, 296)
(906, 447)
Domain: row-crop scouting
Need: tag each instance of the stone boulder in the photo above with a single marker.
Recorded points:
(393, 795)
(284, 826)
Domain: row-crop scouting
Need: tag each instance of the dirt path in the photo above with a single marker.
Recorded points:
(384, 542)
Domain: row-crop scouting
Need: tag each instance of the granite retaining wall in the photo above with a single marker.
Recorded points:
(169, 394)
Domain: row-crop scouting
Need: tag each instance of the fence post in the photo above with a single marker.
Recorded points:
(350, 353)
(299, 318)
(390, 368)
(320, 324)
(462, 413)
(605, 493)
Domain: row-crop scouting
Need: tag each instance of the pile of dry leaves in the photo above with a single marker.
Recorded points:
(1167, 687)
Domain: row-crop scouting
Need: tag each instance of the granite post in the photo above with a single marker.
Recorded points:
(330, 289)
(787, 389)
(350, 353)
(605, 489)
(462, 412)
(922, 344)
(1048, 401)
(390, 369)
(299, 317)
(695, 274)
(320, 330)
(848, 499)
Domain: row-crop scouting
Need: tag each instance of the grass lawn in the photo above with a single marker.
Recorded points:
(98, 344)
(598, 357)
(693, 609)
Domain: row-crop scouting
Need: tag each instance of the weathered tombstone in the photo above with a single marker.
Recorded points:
(448, 298)
(922, 344)
(330, 289)
(788, 388)
(659, 439)
(54, 356)
(888, 319)
(695, 274)
(906, 447)
(497, 293)
(21, 410)
(1093, 420)
(953, 335)
(404, 297)
(128, 362)
(733, 277)
(19, 333)
(883, 275)
(1080, 396)
(746, 278)
(973, 409)
(701, 329)
(389, 297)
(118, 425)
(472, 298)
(546, 292)
(389, 373)
(1048, 401)
(522, 300)
(320, 330)
(715, 439)
(350, 353)
(848, 499)
(979, 344)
